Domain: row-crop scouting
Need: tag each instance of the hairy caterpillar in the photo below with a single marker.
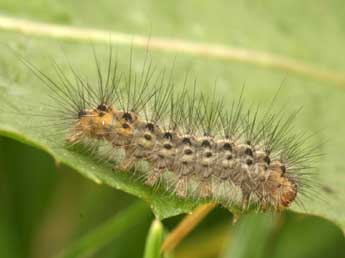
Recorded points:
(195, 145)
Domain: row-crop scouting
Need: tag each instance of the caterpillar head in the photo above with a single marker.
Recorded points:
(92, 123)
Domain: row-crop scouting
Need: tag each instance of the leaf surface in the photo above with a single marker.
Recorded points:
(308, 33)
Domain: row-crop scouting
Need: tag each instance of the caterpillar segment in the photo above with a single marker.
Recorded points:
(205, 150)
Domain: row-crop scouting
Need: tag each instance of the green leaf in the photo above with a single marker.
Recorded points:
(106, 232)
(23, 206)
(261, 43)
(284, 235)
(252, 230)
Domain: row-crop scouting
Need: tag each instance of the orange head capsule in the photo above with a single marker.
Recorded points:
(92, 123)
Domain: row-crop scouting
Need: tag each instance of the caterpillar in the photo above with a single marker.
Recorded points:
(194, 144)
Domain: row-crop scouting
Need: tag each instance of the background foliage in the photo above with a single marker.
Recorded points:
(45, 205)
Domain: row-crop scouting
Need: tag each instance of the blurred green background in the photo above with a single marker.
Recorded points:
(44, 207)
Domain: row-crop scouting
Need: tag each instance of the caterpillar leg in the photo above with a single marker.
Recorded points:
(126, 164)
(205, 189)
(245, 201)
(153, 177)
(182, 186)
(128, 161)
(74, 137)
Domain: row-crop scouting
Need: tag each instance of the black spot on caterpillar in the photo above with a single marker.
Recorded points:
(194, 144)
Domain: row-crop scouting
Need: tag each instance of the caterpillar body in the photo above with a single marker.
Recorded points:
(195, 145)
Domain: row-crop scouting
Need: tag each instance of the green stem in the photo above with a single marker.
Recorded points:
(186, 226)
(106, 232)
(154, 240)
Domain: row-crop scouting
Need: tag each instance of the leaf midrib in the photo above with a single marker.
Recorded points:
(218, 51)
